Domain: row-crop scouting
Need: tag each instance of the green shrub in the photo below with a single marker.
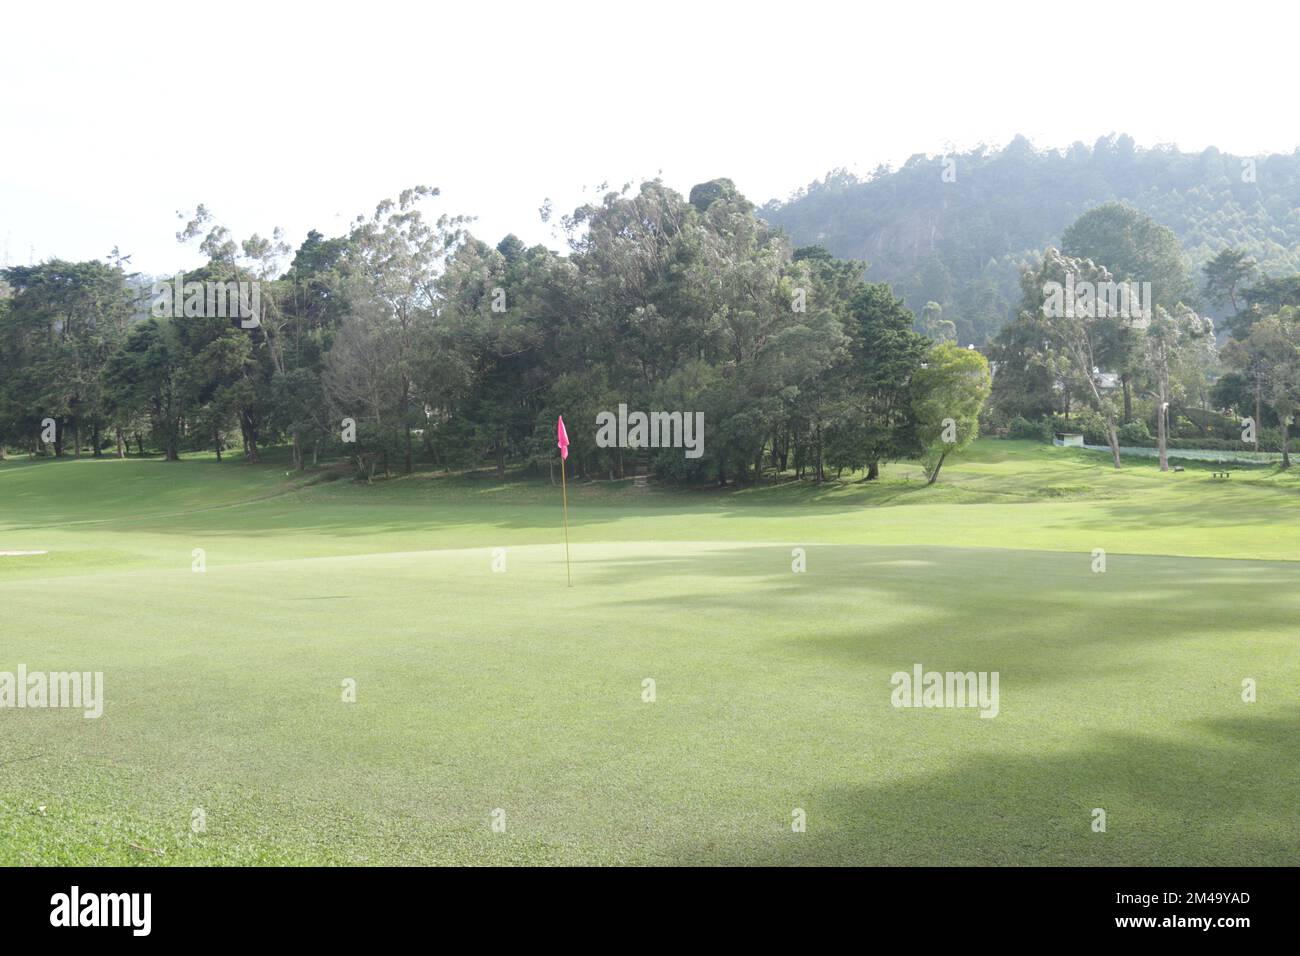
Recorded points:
(1135, 433)
(1197, 421)
(1270, 439)
(1025, 430)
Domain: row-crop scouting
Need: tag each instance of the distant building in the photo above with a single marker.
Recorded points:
(1107, 381)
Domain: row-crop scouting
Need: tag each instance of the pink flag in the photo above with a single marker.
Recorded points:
(562, 439)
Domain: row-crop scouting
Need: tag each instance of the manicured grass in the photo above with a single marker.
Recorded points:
(479, 690)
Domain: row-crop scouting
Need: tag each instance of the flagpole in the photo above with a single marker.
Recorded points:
(564, 491)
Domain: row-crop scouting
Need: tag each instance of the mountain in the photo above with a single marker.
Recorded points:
(957, 230)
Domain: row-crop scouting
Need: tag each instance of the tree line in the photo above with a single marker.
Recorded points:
(409, 340)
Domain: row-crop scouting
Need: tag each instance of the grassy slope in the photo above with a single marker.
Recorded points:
(480, 690)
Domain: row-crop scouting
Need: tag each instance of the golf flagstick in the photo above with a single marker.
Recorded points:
(562, 440)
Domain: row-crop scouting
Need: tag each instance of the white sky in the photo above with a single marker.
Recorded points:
(116, 115)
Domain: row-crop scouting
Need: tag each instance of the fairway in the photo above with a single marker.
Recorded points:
(482, 691)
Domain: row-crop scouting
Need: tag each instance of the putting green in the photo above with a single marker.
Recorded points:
(480, 690)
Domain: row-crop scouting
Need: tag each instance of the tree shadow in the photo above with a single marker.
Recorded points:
(1225, 796)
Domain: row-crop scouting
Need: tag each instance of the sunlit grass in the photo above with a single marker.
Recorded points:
(480, 690)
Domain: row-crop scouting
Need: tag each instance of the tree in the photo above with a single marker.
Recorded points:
(61, 325)
(1272, 349)
(1029, 382)
(1267, 297)
(770, 341)
(481, 362)
(815, 397)
(703, 195)
(884, 354)
(1084, 335)
(7, 402)
(947, 394)
(394, 258)
(148, 379)
(1167, 339)
(934, 326)
(254, 260)
(1132, 247)
(313, 305)
(1225, 274)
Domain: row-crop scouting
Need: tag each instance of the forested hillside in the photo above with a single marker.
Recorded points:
(958, 230)
(409, 339)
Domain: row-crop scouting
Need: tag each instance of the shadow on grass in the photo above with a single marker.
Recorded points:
(1213, 799)
(179, 494)
(982, 595)
(1223, 794)
(234, 498)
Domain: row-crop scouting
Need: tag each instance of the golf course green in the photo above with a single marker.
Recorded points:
(690, 700)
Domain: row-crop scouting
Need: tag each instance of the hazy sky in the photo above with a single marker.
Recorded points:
(118, 115)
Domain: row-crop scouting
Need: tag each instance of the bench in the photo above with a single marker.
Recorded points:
(1222, 474)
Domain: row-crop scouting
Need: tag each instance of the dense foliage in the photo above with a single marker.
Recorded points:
(410, 339)
(958, 230)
